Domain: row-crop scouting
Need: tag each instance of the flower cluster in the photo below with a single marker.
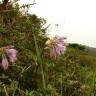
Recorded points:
(57, 46)
(8, 53)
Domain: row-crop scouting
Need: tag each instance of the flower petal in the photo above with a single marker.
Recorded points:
(12, 54)
(5, 63)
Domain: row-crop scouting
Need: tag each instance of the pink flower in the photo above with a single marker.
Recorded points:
(53, 53)
(11, 53)
(4, 63)
(57, 46)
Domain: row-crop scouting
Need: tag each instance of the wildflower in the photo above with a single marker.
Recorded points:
(56, 45)
(4, 64)
(11, 53)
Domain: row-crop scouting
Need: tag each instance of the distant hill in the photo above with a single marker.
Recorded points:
(86, 49)
(86, 55)
(91, 50)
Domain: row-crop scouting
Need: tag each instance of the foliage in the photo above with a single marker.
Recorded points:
(77, 46)
(35, 73)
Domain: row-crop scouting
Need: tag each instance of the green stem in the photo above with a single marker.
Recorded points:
(61, 86)
(39, 60)
(94, 85)
(5, 90)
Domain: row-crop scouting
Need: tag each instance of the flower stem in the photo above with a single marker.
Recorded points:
(40, 61)
(5, 90)
(61, 85)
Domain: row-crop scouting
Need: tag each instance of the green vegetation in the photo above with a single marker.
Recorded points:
(35, 73)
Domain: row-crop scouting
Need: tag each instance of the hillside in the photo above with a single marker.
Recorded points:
(88, 50)
(91, 50)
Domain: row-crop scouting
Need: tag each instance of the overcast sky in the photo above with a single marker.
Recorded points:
(76, 18)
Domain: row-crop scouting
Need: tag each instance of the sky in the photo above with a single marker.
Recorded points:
(76, 19)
